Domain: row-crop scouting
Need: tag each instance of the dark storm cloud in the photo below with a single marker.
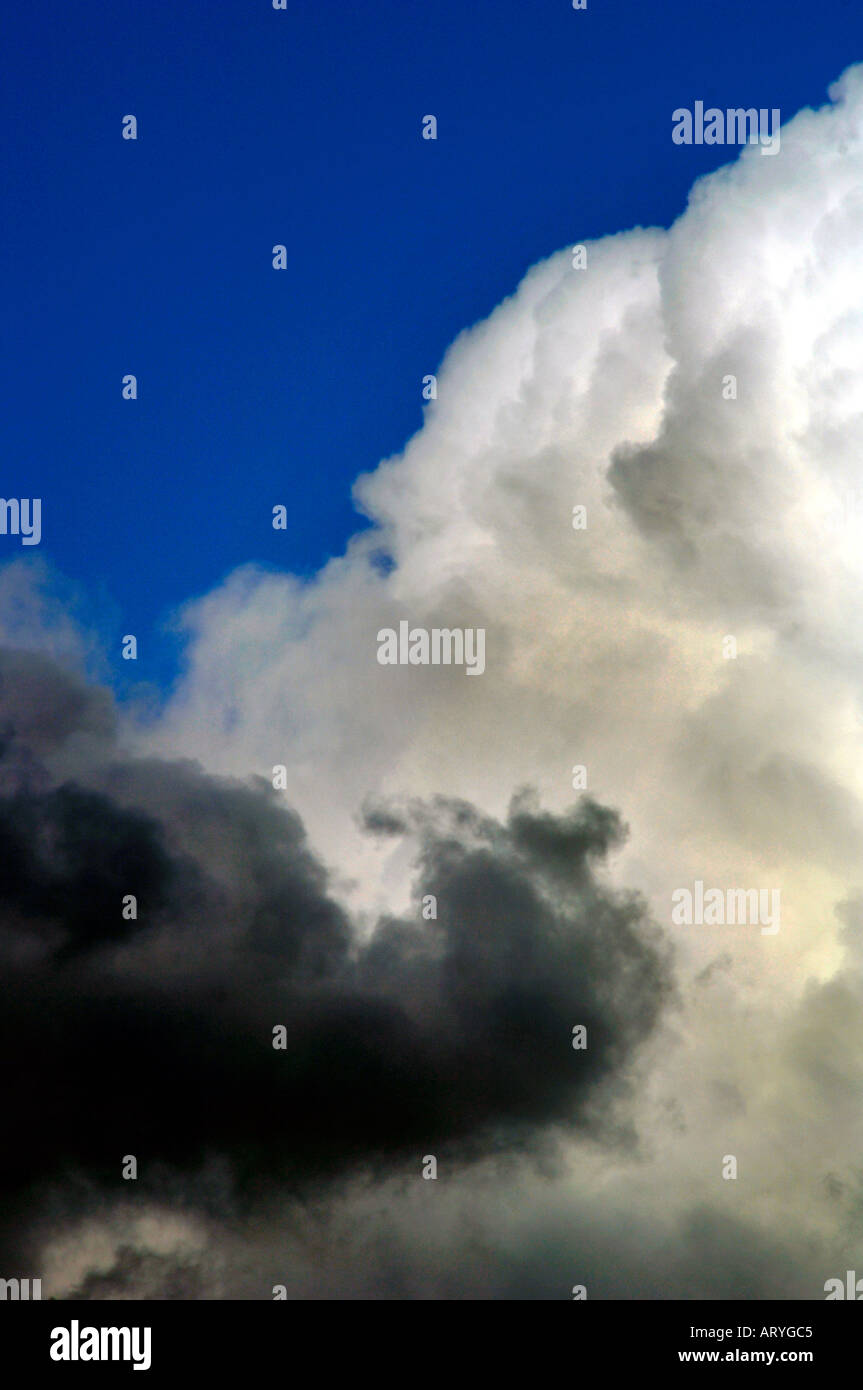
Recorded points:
(68, 855)
(154, 1037)
(136, 1275)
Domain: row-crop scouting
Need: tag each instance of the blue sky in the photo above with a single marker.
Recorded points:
(302, 126)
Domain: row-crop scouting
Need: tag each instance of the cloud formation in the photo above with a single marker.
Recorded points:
(711, 515)
(154, 1036)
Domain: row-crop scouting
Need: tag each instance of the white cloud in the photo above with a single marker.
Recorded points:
(706, 517)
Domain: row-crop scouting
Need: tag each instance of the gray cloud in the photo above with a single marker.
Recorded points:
(153, 1037)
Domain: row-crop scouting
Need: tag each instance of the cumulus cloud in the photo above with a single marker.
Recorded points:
(707, 517)
(710, 515)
